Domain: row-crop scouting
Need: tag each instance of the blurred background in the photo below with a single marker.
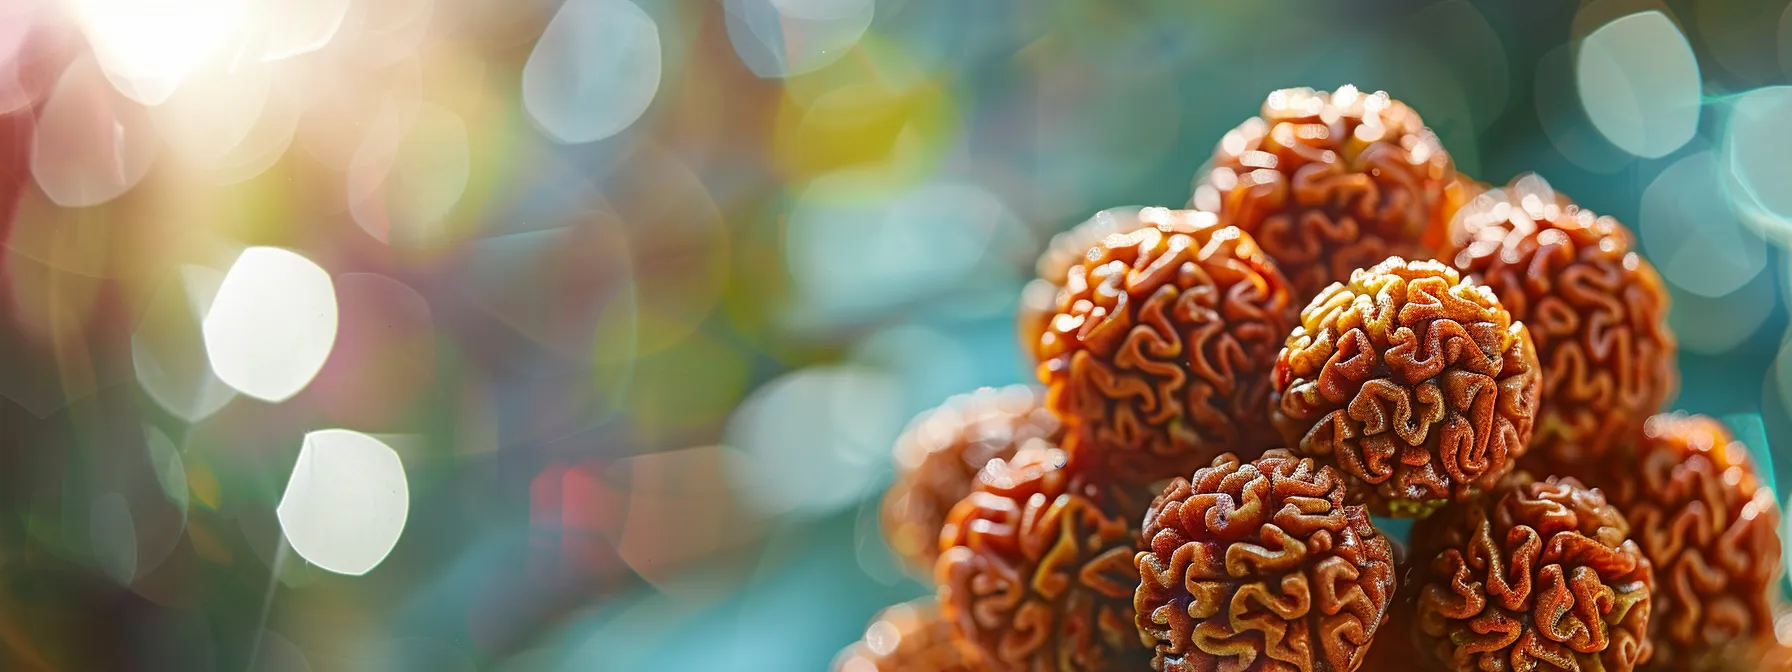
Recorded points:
(525, 335)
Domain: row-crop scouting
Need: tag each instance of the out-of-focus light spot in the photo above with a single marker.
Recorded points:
(877, 114)
(401, 185)
(156, 499)
(1564, 118)
(384, 356)
(1694, 238)
(815, 440)
(275, 653)
(209, 116)
(346, 100)
(1781, 374)
(1639, 83)
(346, 503)
(17, 21)
(855, 256)
(263, 145)
(1751, 430)
(594, 71)
(683, 512)
(272, 323)
(148, 48)
(114, 537)
(168, 348)
(1757, 157)
(1716, 325)
(90, 144)
(782, 38)
(171, 471)
(293, 27)
(869, 548)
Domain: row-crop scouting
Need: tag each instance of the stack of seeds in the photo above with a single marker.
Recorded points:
(1337, 325)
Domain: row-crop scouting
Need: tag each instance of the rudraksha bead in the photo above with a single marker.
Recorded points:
(1332, 182)
(1536, 575)
(1597, 312)
(1036, 571)
(938, 455)
(1157, 358)
(1413, 381)
(1710, 528)
(1261, 566)
(1039, 299)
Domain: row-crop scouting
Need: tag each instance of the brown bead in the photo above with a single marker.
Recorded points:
(1701, 516)
(1039, 299)
(1536, 575)
(1597, 312)
(1261, 566)
(904, 638)
(1329, 182)
(1414, 382)
(1036, 569)
(1158, 355)
(937, 458)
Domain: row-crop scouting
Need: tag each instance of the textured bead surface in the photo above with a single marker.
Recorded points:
(1157, 357)
(1414, 382)
(1596, 310)
(938, 455)
(1537, 575)
(1039, 299)
(1261, 566)
(1036, 570)
(1701, 516)
(1329, 182)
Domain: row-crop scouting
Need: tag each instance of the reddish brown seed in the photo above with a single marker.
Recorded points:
(1596, 310)
(1537, 575)
(1412, 381)
(1329, 182)
(1158, 354)
(938, 455)
(1261, 566)
(903, 638)
(1039, 299)
(1036, 571)
(1701, 516)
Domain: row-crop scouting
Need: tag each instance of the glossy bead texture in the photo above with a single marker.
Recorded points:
(1537, 575)
(1261, 566)
(1702, 517)
(1597, 312)
(938, 455)
(1036, 570)
(1158, 355)
(1412, 381)
(1329, 182)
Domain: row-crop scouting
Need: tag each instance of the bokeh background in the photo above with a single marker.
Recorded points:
(622, 302)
